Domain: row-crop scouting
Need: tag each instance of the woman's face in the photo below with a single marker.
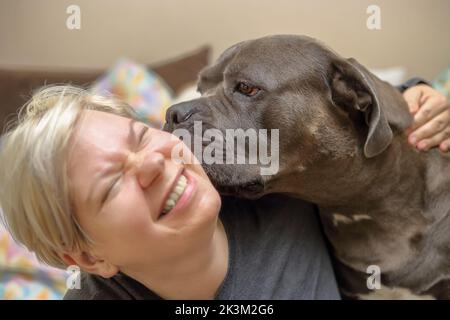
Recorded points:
(140, 207)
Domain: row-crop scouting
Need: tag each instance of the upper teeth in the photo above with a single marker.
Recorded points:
(175, 194)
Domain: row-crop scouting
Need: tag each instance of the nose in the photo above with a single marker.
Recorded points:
(150, 167)
(179, 113)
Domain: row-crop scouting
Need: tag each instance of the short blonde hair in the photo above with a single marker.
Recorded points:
(34, 192)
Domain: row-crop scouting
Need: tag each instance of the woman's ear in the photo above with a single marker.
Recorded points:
(90, 264)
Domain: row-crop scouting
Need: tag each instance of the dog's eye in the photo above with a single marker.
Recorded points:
(246, 89)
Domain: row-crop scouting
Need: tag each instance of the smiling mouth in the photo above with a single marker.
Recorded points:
(175, 195)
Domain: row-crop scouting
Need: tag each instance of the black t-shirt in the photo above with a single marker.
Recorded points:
(276, 251)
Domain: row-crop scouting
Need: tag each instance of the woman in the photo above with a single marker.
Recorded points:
(85, 184)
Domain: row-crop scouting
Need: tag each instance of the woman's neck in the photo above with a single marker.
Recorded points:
(198, 278)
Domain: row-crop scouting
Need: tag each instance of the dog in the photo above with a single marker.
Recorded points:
(385, 207)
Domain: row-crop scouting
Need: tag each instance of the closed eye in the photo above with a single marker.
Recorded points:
(111, 186)
(141, 135)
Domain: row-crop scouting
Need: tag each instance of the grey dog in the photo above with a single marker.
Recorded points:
(342, 146)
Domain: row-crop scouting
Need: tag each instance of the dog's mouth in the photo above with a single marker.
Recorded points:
(228, 179)
(250, 190)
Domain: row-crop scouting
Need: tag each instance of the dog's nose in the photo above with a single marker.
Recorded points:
(179, 113)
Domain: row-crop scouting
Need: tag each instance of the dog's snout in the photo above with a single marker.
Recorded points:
(179, 113)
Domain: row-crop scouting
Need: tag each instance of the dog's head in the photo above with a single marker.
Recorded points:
(327, 109)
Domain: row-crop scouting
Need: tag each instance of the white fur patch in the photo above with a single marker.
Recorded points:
(359, 217)
(342, 219)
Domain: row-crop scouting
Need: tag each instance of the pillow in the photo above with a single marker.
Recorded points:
(23, 277)
(141, 88)
(182, 72)
(442, 83)
(16, 85)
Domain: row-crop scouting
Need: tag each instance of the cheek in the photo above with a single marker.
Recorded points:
(196, 167)
(125, 231)
(210, 199)
(126, 217)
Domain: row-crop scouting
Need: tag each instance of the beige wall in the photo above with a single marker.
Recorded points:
(415, 33)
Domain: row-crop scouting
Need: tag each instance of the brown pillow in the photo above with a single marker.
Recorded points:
(16, 86)
(183, 71)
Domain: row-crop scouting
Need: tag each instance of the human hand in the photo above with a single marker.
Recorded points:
(431, 111)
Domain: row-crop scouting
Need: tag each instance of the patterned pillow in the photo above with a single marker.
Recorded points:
(442, 83)
(140, 87)
(22, 276)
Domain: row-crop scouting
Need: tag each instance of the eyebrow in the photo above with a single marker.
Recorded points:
(133, 140)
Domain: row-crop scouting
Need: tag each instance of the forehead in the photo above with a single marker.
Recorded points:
(271, 60)
(94, 121)
(97, 132)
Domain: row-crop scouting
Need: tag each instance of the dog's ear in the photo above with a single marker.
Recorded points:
(355, 89)
(213, 74)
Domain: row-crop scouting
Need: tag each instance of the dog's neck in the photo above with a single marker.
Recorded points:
(368, 185)
(381, 183)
